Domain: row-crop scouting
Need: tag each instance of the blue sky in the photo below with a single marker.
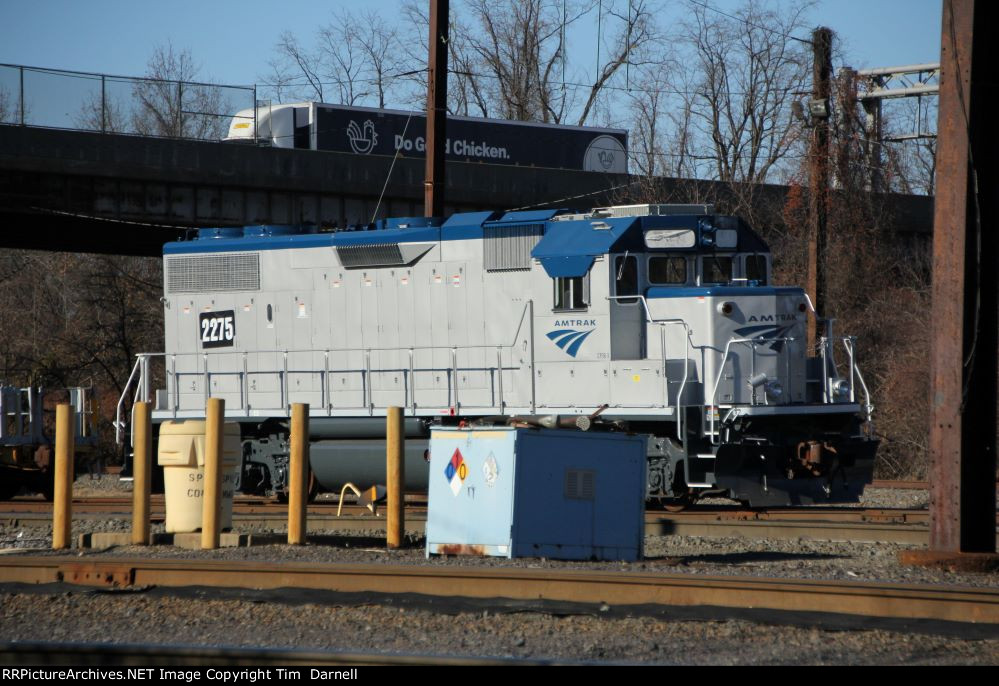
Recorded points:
(232, 41)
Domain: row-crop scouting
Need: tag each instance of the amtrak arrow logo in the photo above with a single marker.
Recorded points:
(766, 332)
(569, 339)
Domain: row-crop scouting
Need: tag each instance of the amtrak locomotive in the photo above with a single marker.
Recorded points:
(652, 319)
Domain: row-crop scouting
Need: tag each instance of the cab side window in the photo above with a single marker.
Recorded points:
(668, 269)
(572, 293)
(756, 269)
(626, 278)
(716, 269)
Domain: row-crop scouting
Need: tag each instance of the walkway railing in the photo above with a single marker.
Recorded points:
(87, 101)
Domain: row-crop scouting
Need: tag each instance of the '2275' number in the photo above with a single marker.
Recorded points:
(218, 329)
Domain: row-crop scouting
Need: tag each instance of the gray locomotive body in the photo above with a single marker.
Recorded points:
(655, 319)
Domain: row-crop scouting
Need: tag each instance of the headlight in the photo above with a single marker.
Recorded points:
(774, 389)
(841, 388)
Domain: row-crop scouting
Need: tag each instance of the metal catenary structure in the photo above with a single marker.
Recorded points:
(655, 319)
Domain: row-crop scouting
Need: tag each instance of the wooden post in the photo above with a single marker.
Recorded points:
(395, 477)
(298, 477)
(818, 181)
(62, 507)
(212, 505)
(433, 185)
(142, 465)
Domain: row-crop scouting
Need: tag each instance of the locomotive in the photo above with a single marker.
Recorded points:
(659, 320)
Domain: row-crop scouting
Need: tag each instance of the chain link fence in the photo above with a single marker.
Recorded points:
(63, 99)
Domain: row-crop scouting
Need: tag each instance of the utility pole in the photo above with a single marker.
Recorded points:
(433, 186)
(963, 320)
(818, 175)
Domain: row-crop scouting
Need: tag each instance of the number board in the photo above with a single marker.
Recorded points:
(218, 329)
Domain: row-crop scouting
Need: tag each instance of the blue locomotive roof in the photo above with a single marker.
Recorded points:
(567, 248)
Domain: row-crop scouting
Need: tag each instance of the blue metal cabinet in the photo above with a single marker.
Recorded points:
(536, 492)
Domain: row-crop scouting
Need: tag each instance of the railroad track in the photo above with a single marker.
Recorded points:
(257, 506)
(104, 655)
(905, 526)
(595, 588)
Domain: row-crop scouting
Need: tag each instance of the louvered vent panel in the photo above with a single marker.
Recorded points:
(509, 247)
(213, 273)
(579, 484)
(375, 255)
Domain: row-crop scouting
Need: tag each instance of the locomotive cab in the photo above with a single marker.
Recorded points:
(678, 314)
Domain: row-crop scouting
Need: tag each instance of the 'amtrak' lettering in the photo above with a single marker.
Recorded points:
(576, 322)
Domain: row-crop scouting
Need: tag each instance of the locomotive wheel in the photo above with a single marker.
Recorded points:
(678, 504)
(311, 492)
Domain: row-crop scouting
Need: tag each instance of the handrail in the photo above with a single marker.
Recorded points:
(848, 346)
(721, 370)
(141, 367)
(118, 423)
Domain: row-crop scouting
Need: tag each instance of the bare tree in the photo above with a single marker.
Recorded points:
(169, 101)
(517, 47)
(6, 107)
(380, 47)
(354, 61)
(516, 55)
(635, 32)
(749, 69)
(80, 320)
(648, 109)
(293, 64)
(913, 166)
(910, 145)
(102, 113)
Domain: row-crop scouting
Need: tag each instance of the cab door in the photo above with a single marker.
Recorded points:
(627, 313)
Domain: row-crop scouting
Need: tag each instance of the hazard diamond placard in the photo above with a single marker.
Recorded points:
(456, 471)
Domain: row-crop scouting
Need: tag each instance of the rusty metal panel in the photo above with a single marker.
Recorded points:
(963, 347)
(97, 574)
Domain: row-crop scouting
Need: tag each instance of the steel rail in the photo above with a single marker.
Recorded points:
(829, 524)
(597, 587)
(80, 655)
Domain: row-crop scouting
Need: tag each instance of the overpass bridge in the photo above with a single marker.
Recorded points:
(126, 194)
(83, 191)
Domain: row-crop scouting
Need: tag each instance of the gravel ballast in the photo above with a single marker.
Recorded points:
(83, 615)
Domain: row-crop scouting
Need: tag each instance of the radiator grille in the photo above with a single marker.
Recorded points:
(509, 247)
(213, 273)
(375, 255)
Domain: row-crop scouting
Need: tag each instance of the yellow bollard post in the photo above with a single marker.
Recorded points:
(62, 507)
(211, 511)
(298, 476)
(142, 465)
(395, 477)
